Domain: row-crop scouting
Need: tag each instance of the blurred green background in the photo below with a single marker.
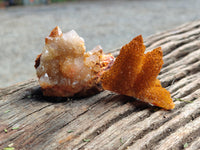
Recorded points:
(7, 3)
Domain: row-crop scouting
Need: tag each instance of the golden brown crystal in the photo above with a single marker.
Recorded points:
(135, 74)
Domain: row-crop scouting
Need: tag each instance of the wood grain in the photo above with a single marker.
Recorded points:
(108, 121)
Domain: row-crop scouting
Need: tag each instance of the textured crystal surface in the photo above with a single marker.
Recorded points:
(135, 74)
(64, 68)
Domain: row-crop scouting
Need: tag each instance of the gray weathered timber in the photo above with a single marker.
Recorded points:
(107, 121)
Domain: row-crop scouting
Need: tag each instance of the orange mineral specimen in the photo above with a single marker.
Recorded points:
(64, 68)
(135, 74)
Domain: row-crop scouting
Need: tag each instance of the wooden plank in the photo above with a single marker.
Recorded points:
(107, 120)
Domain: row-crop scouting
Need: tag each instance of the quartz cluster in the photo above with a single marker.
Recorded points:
(65, 69)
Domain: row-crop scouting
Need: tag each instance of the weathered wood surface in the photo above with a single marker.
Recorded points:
(108, 121)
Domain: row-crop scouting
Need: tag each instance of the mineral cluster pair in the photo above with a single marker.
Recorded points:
(65, 69)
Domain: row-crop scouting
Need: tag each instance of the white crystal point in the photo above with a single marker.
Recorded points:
(74, 42)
